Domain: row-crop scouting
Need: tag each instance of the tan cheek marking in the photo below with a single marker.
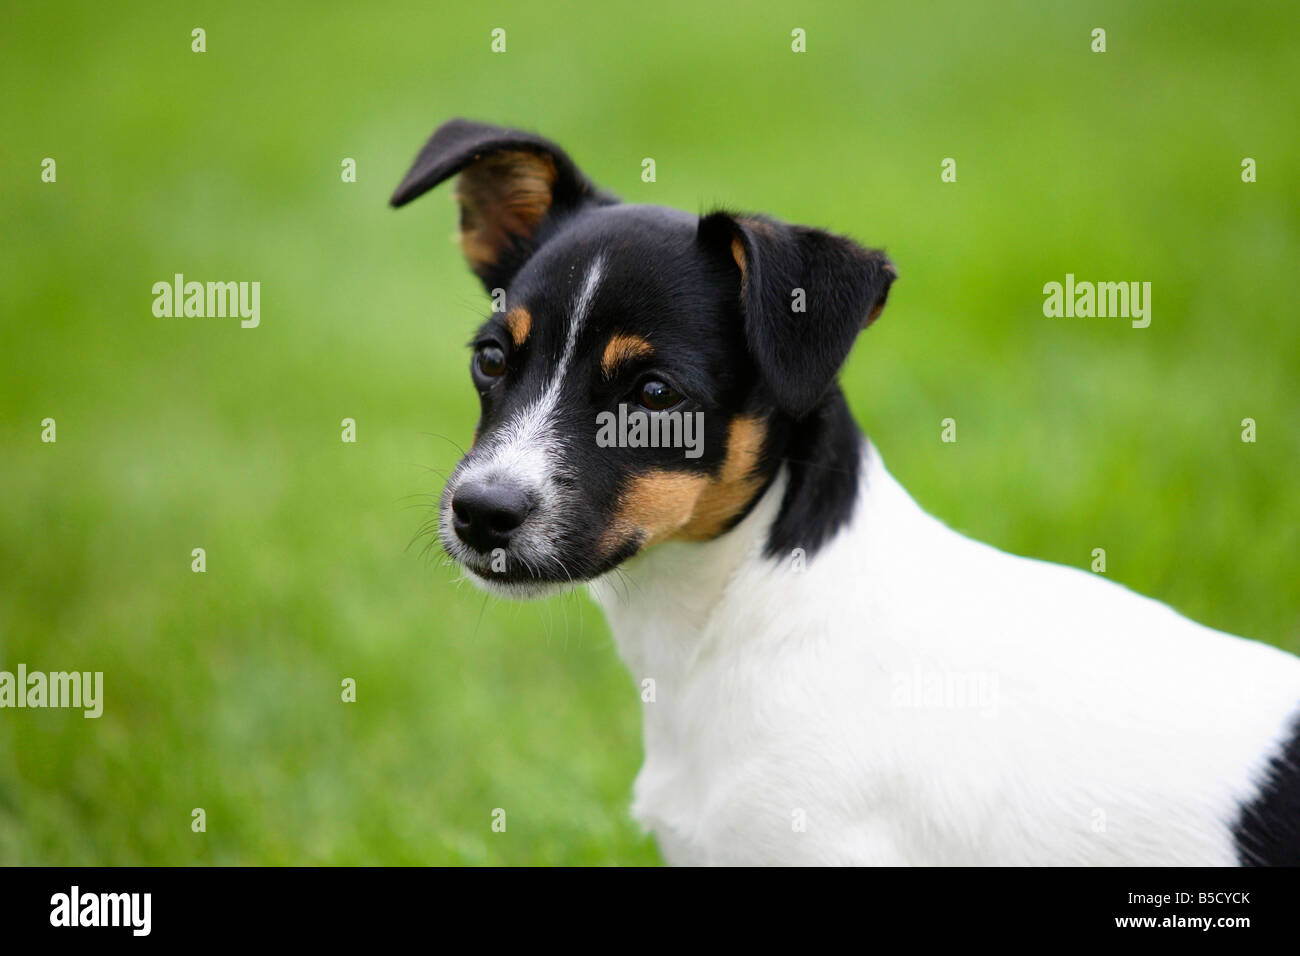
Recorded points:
(623, 348)
(520, 322)
(654, 506)
(666, 505)
(738, 481)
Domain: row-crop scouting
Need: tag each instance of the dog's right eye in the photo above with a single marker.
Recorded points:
(657, 396)
(489, 362)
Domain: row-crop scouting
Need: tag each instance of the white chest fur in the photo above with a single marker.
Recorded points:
(910, 696)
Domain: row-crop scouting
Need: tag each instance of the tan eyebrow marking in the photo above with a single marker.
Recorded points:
(520, 322)
(623, 348)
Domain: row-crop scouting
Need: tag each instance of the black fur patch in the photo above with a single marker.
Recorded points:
(1268, 831)
(824, 458)
(805, 295)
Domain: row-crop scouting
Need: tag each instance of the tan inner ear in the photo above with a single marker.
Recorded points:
(503, 195)
(666, 505)
(758, 228)
(738, 253)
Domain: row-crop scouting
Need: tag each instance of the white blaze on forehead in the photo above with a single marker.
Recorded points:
(580, 310)
(523, 448)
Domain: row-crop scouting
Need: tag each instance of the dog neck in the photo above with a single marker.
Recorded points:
(663, 604)
(678, 599)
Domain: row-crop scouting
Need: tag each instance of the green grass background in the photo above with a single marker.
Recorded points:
(223, 689)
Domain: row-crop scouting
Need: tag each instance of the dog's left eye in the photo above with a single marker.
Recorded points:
(490, 361)
(657, 396)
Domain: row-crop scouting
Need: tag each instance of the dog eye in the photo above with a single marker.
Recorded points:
(490, 361)
(657, 396)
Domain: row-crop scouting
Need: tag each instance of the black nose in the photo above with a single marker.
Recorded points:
(485, 512)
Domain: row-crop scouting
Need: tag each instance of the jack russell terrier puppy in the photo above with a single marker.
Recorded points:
(838, 677)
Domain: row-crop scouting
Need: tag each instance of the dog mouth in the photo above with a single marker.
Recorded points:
(518, 577)
(523, 572)
(514, 574)
(516, 583)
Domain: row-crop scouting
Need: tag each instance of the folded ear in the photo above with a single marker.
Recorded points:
(804, 295)
(511, 183)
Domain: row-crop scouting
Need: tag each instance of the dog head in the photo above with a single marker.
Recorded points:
(643, 370)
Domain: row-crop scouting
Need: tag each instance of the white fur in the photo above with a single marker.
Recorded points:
(921, 698)
(526, 452)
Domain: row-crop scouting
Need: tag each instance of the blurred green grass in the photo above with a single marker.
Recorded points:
(222, 689)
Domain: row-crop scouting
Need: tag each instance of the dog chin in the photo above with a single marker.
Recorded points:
(516, 588)
(512, 583)
(517, 580)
